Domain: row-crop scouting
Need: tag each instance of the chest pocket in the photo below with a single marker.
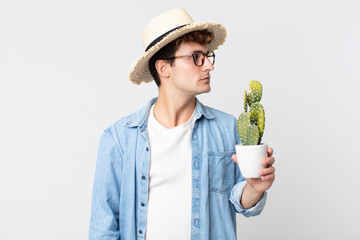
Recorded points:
(221, 171)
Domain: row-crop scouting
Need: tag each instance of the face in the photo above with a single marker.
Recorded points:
(187, 78)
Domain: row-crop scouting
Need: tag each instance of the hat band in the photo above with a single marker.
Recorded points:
(158, 39)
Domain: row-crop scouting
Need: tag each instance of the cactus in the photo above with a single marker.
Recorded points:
(252, 135)
(256, 90)
(245, 101)
(259, 117)
(250, 99)
(251, 125)
(243, 124)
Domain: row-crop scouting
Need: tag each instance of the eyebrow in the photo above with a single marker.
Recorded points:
(195, 51)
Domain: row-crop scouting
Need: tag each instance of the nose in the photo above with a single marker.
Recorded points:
(208, 65)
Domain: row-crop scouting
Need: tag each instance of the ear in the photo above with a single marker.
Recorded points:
(163, 68)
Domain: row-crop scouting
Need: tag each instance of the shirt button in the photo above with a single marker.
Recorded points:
(143, 177)
(142, 204)
(196, 222)
(140, 231)
(196, 193)
(147, 149)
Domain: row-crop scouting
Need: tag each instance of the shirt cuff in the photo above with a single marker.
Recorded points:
(235, 197)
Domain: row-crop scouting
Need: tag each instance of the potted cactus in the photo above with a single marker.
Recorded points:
(251, 126)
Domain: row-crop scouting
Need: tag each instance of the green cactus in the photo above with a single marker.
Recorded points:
(253, 117)
(260, 118)
(251, 125)
(245, 102)
(243, 124)
(252, 135)
(250, 99)
(256, 90)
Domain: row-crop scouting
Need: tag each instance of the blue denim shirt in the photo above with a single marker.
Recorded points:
(121, 186)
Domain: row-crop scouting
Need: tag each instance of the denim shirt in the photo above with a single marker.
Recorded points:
(121, 185)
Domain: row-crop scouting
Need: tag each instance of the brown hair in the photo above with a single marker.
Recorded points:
(204, 37)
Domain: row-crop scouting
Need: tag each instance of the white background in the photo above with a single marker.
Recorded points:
(63, 80)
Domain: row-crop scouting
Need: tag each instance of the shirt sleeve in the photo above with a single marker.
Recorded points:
(235, 197)
(104, 222)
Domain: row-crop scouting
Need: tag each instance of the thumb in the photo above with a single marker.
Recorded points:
(234, 158)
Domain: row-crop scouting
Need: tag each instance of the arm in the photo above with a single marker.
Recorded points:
(255, 187)
(104, 223)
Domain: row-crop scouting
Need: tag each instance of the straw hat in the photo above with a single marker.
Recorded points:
(162, 30)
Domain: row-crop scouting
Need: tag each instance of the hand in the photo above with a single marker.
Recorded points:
(267, 174)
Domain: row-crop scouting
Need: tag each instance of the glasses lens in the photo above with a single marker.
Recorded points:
(198, 58)
(211, 56)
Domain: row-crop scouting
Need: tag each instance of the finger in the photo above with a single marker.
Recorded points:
(267, 171)
(269, 161)
(268, 177)
(234, 158)
(270, 151)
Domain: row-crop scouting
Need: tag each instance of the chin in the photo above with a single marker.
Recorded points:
(204, 90)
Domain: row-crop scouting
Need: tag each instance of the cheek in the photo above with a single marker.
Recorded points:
(186, 73)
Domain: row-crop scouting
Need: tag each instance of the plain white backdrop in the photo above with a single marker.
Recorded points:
(63, 80)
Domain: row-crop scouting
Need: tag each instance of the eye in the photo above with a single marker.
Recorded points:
(198, 57)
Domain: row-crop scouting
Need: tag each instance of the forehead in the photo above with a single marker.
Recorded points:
(188, 47)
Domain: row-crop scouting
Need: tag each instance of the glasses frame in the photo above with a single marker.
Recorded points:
(207, 55)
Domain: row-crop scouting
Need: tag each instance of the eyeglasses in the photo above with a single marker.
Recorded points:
(198, 57)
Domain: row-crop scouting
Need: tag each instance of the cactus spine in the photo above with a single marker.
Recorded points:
(251, 124)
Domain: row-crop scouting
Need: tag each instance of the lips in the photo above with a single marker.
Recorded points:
(206, 78)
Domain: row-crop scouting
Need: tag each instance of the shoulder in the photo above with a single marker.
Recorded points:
(219, 121)
(220, 128)
(118, 131)
(124, 131)
(220, 116)
(120, 124)
(134, 120)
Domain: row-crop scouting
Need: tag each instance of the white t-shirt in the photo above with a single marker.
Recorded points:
(169, 203)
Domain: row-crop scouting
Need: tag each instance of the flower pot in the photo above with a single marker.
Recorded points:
(249, 159)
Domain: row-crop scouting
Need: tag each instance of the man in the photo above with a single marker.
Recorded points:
(165, 172)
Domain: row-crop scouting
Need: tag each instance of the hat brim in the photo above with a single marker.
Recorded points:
(139, 72)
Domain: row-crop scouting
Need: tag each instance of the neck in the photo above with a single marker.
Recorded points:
(173, 109)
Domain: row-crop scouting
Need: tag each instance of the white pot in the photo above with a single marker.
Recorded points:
(249, 159)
